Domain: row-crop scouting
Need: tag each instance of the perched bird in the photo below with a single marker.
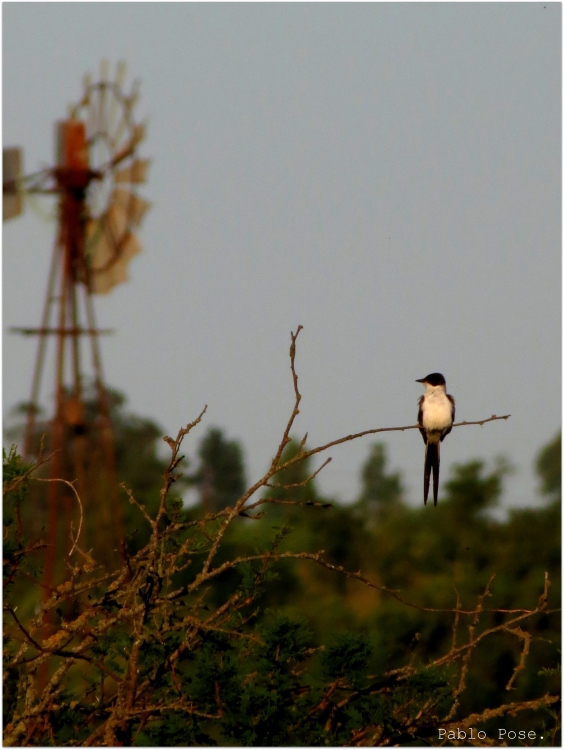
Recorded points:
(435, 419)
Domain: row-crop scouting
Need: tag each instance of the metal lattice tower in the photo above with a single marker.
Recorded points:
(95, 181)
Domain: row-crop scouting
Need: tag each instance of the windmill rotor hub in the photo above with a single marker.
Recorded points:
(69, 178)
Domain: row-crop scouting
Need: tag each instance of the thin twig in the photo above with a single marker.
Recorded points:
(526, 638)
(73, 488)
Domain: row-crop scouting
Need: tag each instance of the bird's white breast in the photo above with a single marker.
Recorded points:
(437, 410)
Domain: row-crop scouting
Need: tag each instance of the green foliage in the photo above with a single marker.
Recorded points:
(549, 468)
(470, 493)
(220, 477)
(16, 489)
(348, 657)
(380, 491)
(285, 639)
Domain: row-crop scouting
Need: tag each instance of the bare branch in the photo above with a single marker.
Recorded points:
(73, 488)
(286, 437)
(526, 638)
(303, 483)
(355, 436)
(507, 708)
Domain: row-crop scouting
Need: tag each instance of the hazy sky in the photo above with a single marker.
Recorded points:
(386, 175)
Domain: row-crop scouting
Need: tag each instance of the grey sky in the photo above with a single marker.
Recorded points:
(387, 175)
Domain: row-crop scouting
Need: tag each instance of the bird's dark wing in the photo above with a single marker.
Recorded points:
(420, 421)
(446, 432)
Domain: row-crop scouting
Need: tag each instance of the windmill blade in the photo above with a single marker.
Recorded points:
(111, 245)
(86, 83)
(85, 101)
(91, 110)
(118, 85)
(107, 236)
(137, 136)
(120, 73)
(134, 95)
(130, 248)
(104, 235)
(116, 221)
(136, 173)
(135, 208)
(102, 123)
(128, 103)
(119, 272)
(113, 273)
(103, 238)
(100, 248)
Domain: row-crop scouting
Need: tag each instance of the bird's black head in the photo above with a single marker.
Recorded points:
(435, 378)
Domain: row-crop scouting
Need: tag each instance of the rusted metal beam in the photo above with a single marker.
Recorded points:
(73, 331)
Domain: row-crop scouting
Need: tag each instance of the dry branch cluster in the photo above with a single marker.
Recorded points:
(129, 647)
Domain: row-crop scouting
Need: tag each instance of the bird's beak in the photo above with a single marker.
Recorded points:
(422, 380)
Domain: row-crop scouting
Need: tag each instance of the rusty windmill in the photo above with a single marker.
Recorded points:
(96, 178)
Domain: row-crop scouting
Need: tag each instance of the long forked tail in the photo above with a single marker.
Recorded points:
(432, 462)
